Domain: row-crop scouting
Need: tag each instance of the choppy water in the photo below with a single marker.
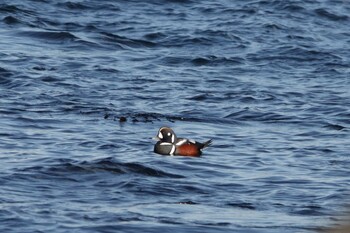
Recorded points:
(268, 81)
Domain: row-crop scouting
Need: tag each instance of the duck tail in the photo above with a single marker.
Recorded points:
(207, 143)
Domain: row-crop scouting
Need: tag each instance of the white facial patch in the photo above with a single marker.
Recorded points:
(169, 134)
(160, 135)
(172, 138)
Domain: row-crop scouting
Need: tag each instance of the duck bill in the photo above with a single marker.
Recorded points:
(156, 138)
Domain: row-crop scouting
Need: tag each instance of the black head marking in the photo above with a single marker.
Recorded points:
(165, 134)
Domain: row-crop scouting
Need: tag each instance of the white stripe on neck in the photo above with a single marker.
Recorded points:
(172, 150)
(166, 144)
(182, 141)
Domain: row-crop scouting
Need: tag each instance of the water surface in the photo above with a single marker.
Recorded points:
(268, 81)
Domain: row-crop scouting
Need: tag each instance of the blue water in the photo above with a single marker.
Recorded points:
(268, 81)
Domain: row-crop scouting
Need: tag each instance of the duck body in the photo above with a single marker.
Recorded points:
(169, 144)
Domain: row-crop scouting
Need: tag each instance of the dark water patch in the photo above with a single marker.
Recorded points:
(331, 16)
(335, 127)
(107, 147)
(39, 68)
(106, 69)
(87, 46)
(137, 117)
(219, 35)
(173, 61)
(83, 109)
(70, 26)
(164, 225)
(296, 54)
(35, 123)
(51, 36)
(134, 168)
(90, 28)
(202, 61)
(293, 8)
(110, 165)
(199, 97)
(155, 36)
(4, 76)
(97, 173)
(187, 203)
(125, 42)
(278, 6)
(301, 38)
(273, 26)
(252, 115)
(13, 9)
(243, 205)
(158, 117)
(49, 79)
(343, 116)
(7, 135)
(196, 41)
(177, 1)
(17, 82)
(3, 71)
(310, 210)
(11, 20)
(73, 5)
(181, 41)
(216, 61)
(243, 11)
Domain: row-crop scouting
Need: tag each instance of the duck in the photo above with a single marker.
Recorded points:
(169, 144)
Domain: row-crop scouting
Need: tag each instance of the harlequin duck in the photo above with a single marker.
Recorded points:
(169, 144)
